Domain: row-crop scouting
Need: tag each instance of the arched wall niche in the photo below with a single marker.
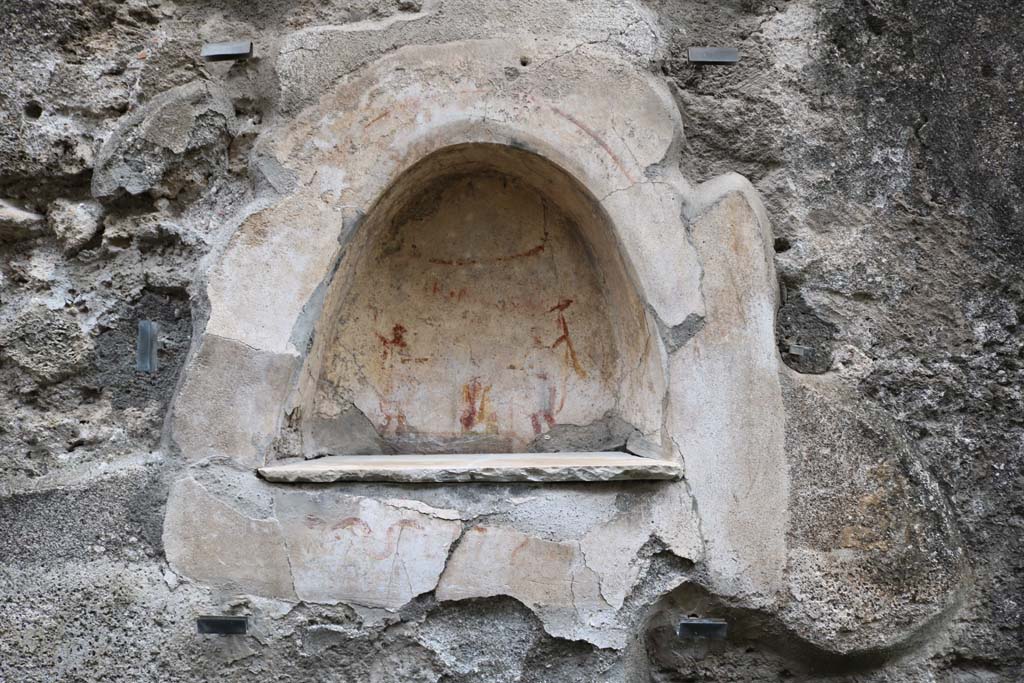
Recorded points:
(694, 253)
(482, 306)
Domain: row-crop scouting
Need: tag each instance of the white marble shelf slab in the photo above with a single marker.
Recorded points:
(612, 466)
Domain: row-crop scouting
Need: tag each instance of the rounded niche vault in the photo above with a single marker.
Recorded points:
(483, 306)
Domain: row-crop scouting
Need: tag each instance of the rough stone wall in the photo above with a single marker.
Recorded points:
(885, 138)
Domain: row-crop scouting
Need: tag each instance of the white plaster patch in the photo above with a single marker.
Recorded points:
(360, 551)
(611, 552)
(268, 273)
(676, 524)
(726, 413)
(229, 402)
(665, 262)
(550, 578)
(332, 182)
(209, 541)
(562, 514)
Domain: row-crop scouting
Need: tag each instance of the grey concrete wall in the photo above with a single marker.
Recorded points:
(827, 343)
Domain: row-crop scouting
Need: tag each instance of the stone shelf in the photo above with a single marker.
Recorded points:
(474, 467)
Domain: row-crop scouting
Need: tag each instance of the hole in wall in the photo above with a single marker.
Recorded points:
(33, 109)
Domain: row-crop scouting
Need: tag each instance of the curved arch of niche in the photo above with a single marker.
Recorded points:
(483, 307)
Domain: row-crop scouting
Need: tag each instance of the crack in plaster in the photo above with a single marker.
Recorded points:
(446, 514)
(573, 577)
(688, 236)
(576, 47)
(287, 549)
(237, 341)
(693, 503)
(633, 184)
(600, 578)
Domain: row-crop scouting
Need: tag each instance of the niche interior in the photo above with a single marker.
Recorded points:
(482, 306)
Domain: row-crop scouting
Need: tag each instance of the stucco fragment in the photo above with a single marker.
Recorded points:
(550, 578)
(270, 270)
(228, 404)
(726, 411)
(612, 549)
(209, 541)
(360, 551)
(150, 145)
(668, 269)
(611, 552)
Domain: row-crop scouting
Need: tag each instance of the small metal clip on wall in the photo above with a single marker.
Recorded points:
(798, 350)
(222, 52)
(711, 629)
(222, 625)
(146, 346)
(713, 55)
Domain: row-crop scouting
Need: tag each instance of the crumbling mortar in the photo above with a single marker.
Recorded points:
(678, 336)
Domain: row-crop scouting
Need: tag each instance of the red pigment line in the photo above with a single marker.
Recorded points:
(533, 251)
(561, 305)
(397, 340)
(596, 138)
(471, 394)
(497, 259)
(564, 338)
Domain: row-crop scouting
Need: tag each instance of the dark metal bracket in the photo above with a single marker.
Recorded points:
(711, 629)
(147, 347)
(713, 55)
(222, 626)
(222, 52)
